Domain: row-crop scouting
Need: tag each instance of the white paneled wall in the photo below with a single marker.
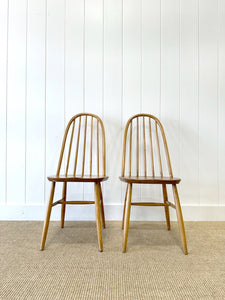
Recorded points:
(113, 58)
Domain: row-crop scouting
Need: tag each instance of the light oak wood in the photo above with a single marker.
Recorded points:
(149, 174)
(180, 220)
(167, 212)
(47, 218)
(102, 207)
(63, 207)
(158, 149)
(144, 148)
(79, 124)
(149, 179)
(137, 148)
(98, 216)
(151, 148)
(124, 207)
(130, 153)
(91, 146)
(97, 150)
(84, 147)
(127, 217)
(77, 147)
(70, 147)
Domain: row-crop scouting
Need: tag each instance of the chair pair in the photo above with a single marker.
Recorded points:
(82, 159)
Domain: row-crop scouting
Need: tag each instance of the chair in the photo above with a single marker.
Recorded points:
(145, 141)
(82, 159)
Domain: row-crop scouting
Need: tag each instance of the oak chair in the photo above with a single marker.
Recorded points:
(82, 159)
(145, 142)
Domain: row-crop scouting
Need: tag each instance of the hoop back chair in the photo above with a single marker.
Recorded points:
(143, 162)
(82, 159)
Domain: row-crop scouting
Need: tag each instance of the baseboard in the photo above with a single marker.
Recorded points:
(112, 212)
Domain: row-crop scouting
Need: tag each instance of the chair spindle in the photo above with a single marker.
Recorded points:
(158, 148)
(130, 150)
(91, 146)
(77, 148)
(151, 147)
(137, 148)
(70, 147)
(144, 141)
(97, 147)
(84, 147)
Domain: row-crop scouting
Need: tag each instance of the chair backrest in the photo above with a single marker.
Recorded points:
(83, 147)
(145, 142)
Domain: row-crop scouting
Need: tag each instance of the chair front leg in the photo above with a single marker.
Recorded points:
(102, 207)
(124, 207)
(47, 218)
(63, 206)
(167, 213)
(180, 219)
(98, 216)
(127, 217)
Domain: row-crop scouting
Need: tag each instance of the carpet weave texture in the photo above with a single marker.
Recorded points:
(71, 267)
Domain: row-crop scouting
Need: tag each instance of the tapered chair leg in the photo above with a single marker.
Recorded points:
(167, 213)
(127, 217)
(47, 218)
(102, 207)
(98, 216)
(180, 219)
(124, 207)
(63, 206)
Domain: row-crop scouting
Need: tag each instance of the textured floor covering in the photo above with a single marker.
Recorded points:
(72, 268)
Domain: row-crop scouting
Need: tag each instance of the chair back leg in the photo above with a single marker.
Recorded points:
(102, 207)
(63, 206)
(167, 213)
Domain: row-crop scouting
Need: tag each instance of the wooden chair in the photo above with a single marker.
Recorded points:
(145, 141)
(82, 159)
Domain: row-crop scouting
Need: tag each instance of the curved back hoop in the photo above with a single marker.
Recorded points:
(83, 147)
(145, 140)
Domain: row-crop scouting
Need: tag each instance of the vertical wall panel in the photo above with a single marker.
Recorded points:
(54, 84)
(35, 113)
(113, 96)
(151, 71)
(3, 95)
(132, 75)
(221, 104)
(93, 56)
(114, 58)
(93, 65)
(74, 67)
(16, 102)
(170, 74)
(131, 58)
(74, 29)
(151, 47)
(189, 102)
(208, 102)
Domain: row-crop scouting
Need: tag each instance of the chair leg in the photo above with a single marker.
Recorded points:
(167, 212)
(98, 216)
(47, 218)
(102, 207)
(124, 207)
(127, 217)
(63, 206)
(180, 219)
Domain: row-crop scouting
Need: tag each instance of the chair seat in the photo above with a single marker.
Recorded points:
(150, 179)
(77, 178)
